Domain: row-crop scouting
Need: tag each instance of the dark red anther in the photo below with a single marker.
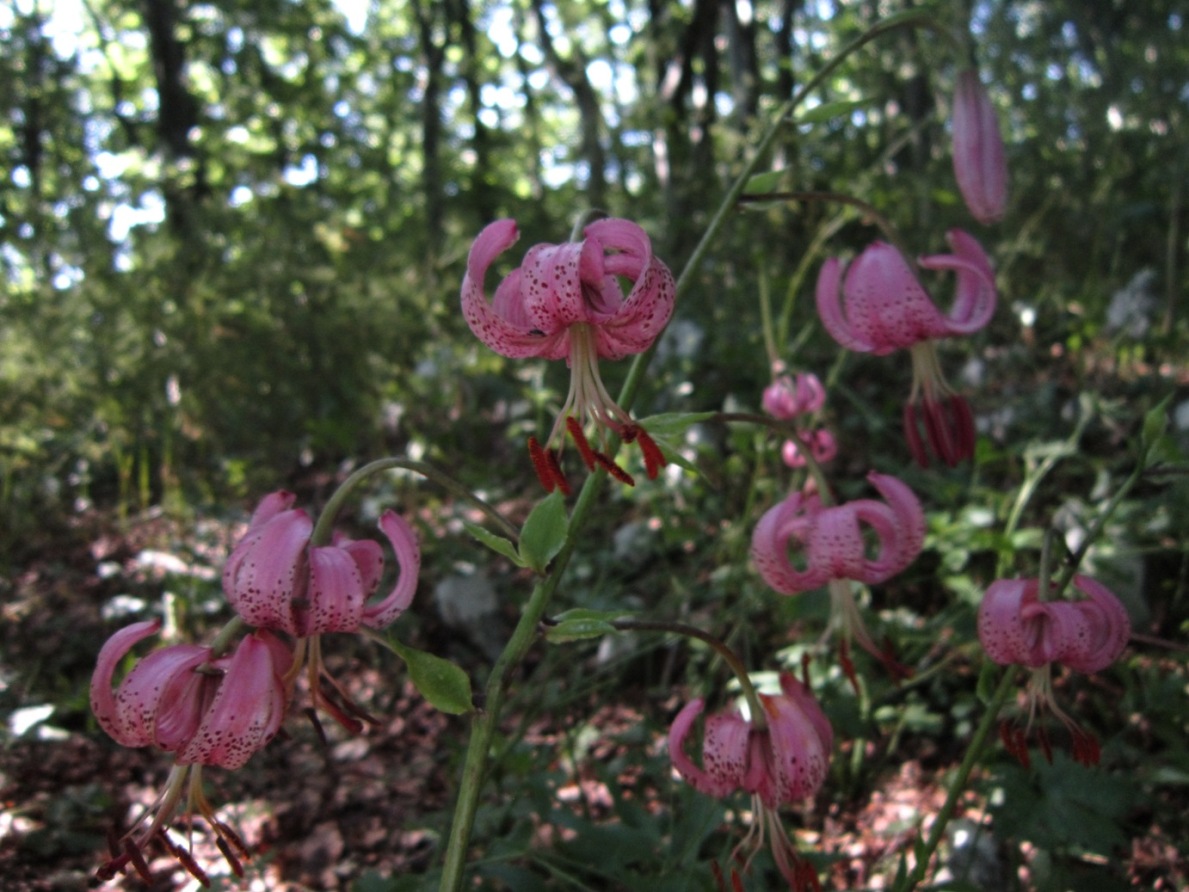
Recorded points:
(1046, 747)
(542, 465)
(187, 861)
(233, 838)
(719, 883)
(848, 668)
(1086, 750)
(588, 454)
(225, 848)
(654, 458)
(614, 470)
(132, 851)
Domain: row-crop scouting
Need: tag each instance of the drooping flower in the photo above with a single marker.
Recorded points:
(980, 166)
(206, 710)
(275, 579)
(881, 307)
(565, 302)
(788, 397)
(832, 550)
(1016, 627)
(779, 758)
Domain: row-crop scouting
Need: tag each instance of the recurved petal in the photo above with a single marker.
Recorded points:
(164, 697)
(790, 521)
(910, 518)
(975, 295)
(695, 776)
(488, 325)
(408, 561)
(247, 709)
(267, 571)
(335, 595)
(1109, 627)
(828, 297)
(800, 755)
(1001, 629)
(643, 314)
(107, 709)
(270, 506)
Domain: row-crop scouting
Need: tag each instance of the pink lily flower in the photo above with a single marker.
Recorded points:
(821, 443)
(788, 397)
(779, 758)
(1016, 627)
(979, 163)
(276, 580)
(206, 710)
(565, 302)
(832, 550)
(881, 307)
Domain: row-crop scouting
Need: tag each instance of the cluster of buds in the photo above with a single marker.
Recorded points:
(206, 707)
(794, 398)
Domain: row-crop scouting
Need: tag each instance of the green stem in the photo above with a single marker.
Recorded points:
(758, 720)
(973, 754)
(870, 213)
(325, 526)
(484, 724)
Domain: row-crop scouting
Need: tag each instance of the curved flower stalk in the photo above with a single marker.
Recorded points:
(205, 710)
(832, 550)
(979, 163)
(1016, 627)
(565, 302)
(275, 579)
(779, 758)
(881, 307)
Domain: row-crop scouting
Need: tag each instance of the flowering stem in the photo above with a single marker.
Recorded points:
(718, 645)
(924, 854)
(484, 723)
(325, 526)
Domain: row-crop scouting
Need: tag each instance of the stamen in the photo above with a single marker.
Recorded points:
(848, 667)
(614, 470)
(584, 448)
(132, 850)
(541, 464)
(187, 860)
(654, 458)
(912, 434)
(225, 848)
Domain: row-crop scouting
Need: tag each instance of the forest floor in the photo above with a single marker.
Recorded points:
(322, 812)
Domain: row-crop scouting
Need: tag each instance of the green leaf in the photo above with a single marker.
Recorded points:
(761, 183)
(544, 532)
(440, 682)
(828, 110)
(671, 424)
(581, 624)
(498, 544)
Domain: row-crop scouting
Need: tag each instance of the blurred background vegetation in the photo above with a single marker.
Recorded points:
(232, 236)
